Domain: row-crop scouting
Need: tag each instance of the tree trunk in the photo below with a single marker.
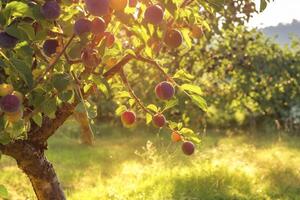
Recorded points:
(40, 172)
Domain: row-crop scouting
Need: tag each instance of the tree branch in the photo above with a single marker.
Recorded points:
(132, 94)
(118, 67)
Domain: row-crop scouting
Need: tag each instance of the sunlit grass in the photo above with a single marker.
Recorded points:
(237, 167)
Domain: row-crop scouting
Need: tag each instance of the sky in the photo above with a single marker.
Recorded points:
(279, 11)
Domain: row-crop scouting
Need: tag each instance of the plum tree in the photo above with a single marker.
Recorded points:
(118, 5)
(6, 89)
(10, 103)
(7, 41)
(82, 26)
(175, 136)
(97, 7)
(128, 118)
(188, 148)
(164, 90)
(154, 14)
(50, 47)
(55, 87)
(50, 10)
(173, 38)
(98, 25)
(159, 120)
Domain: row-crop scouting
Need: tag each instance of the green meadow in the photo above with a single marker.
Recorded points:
(138, 164)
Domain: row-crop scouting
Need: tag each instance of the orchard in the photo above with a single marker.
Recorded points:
(56, 55)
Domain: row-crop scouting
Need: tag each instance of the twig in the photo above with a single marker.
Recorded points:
(132, 94)
(154, 63)
(70, 61)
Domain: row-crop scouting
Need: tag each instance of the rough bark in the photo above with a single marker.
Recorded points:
(38, 169)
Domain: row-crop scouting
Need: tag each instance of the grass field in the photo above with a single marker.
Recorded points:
(124, 164)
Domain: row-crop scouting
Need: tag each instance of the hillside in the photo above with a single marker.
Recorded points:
(283, 32)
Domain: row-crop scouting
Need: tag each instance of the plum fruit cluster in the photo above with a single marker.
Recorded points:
(11, 103)
(154, 15)
(164, 91)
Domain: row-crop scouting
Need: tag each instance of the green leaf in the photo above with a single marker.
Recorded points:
(28, 29)
(24, 71)
(16, 130)
(66, 96)
(17, 9)
(183, 75)
(38, 119)
(37, 97)
(171, 104)
(120, 110)
(191, 88)
(187, 38)
(263, 5)
(4, 137)
(60, 81)
(148, 118)
(49, 107)
(3, 192)
(18, 30)
(102, 85)
(153, 108)
(199, 101)
(123, 94)
(91, 109)
(131, 102)
(88, 107)
(172, 125)
(190, 134)
(102, 48)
